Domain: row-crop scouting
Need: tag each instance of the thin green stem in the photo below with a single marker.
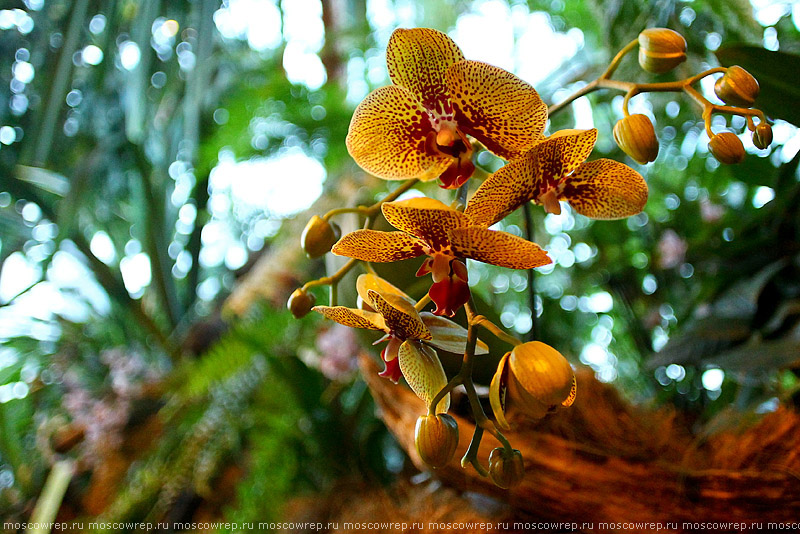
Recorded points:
(495, 330)
(423, 302)
(618, 58)
(454, 383)
(334, 278)
(471, 456)
(371, 211)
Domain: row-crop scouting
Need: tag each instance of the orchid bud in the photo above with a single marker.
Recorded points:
(762, 137)
(436, 439)
(727, 148)
(636, 136)
(661, 50)
(530, 381)
(737, 87)
(506, 471)
(319, 236)
(301, 302)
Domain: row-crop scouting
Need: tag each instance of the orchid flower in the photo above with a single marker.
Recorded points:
(446, 236)
(418, 126)
(411, 336)
(554, 170)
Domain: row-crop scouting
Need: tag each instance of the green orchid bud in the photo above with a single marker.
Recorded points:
(506, 471)
(661, 50)
(727, 148)
(436, 439)
(301, 302)
(319, 236)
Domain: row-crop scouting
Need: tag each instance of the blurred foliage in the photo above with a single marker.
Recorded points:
(173, 412)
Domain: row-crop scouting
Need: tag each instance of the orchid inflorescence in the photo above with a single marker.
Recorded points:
(419, 129)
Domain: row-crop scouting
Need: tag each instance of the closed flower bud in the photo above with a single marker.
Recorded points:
(636, 136)
(661, 50)
(762, 137)
(436, 438)
(530, 381)
(737, 87)
(506, 471)
(727, 148)
(301, 302)
(319, 236)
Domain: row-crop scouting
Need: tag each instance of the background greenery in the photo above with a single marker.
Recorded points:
(174, 406)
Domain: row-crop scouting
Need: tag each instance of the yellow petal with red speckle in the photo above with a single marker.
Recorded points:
(367, 281)
(605, 189)
(424, 373)
(573, 393)
(401, 318)
(352, 317)
(496, 107)
(425, 218)
(387, 136)
(377, 246)
(504, 191)
(497, 248)
(449, 336)
(562, 152)
(417, 59)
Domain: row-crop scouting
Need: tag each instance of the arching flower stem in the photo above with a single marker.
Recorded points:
(632, 89)
(373, 210)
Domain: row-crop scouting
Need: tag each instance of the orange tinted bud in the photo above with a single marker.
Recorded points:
(737, 87)
(436, 439)
(636, 136)
(661, 50)
(319, 236)
(762, 137)
(301, 302)
(727, 148)
(506, 471)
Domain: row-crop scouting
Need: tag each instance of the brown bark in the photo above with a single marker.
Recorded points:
(603, 460)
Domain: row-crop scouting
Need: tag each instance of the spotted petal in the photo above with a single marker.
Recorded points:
(401, 318)
(504, 191)
(367, 282)
(497, 248)
(352, 317)
(417, 59)
(605, 189)
(496, 107)
(562, 152)
(387, 136)
(425, 218)
(449, 336)
(424, 373)
(377, 246)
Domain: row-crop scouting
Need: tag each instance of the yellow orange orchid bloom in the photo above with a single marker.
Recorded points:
(446, 236)
(554, 170)
(411, 336)
(418, 127)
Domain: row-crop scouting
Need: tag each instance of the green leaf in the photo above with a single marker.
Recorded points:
(763, 356)
(780, 94)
